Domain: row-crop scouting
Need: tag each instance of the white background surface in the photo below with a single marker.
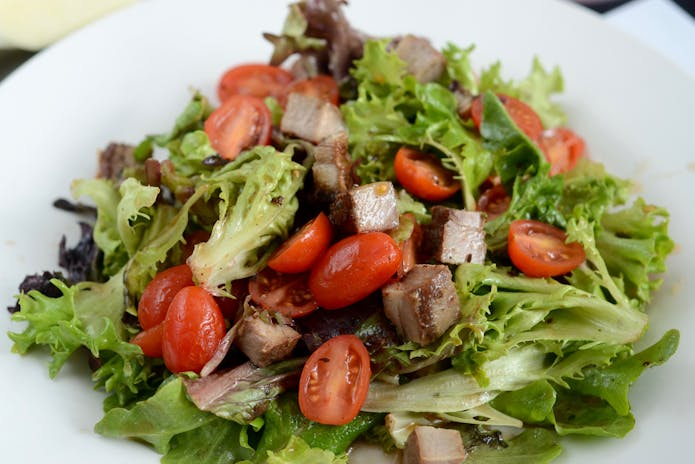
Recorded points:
(131, 74)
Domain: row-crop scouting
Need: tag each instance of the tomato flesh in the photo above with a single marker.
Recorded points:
(287, 294)
(155, 300)
(301, 250)
(193, 329)
(256, 80)
(242, 122)
(335, 381)
(522, 114)
(423, 175)
(322, 86)
(353, 268)
(562, 148)
(539, 250)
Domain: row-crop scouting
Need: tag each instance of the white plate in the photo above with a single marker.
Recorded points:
(131, 74)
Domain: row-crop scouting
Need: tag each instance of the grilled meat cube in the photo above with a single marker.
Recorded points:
(332, 169)
(311, 118)
(367, 208)
(424, 304)
(264, 342)
(455, 236)
(432, 445)
(424, 61)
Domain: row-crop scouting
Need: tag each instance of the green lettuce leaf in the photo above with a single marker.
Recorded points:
(174, 427)
(283, 420)
(535, 445)
(515, 155)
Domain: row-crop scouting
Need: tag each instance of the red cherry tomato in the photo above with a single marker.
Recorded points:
(523, 115)
(301, 250)
(193, 329)
(353, 268)
(240, 123)
(494, 202)
(335, 381)
(150, 341)
(287, 294)
(423, 175)
(155, 300)
(322, 86)
(256, 80)
(562, 148)
(539, 249)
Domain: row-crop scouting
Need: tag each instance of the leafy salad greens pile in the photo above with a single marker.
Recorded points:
(529, 360)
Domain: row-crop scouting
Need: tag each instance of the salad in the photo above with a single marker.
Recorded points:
(523, 359)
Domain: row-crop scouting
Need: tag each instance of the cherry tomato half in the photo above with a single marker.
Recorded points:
(256, 80)
(322, 86)
(523, 115)
(287, 294)
(423, 175)
(301, 250)
(155, 300)
(353, 268)
(494, 201)
(193, 329)
(150, 341)
(335, 381)
(240, 123)
(562, 148)
(539, 249)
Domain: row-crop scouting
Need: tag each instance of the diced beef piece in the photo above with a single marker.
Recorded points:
(114, 160)
(424, 61)
(367, 208)
(432, 445)
(455, 236)
(311, 118)
(265, 342)
(332, 169)
(424, 304)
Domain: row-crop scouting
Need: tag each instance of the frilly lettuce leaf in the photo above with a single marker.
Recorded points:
(123, 214)
(88, 315)
(535, 90)
(257, 206)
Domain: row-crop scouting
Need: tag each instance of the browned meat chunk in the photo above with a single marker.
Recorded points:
(367, 208)
(424, 304)
(455, 236)
(264, 342)
(311, 118)
(332, 167)
(114, 159)
(424, 61)
(432, 445)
